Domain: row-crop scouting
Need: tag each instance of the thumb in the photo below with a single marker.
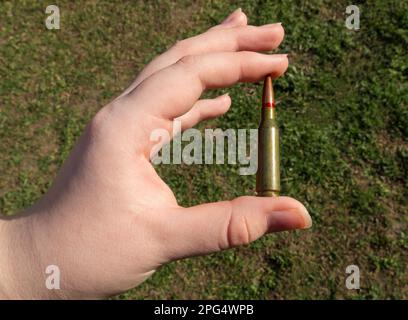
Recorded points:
(217, 226)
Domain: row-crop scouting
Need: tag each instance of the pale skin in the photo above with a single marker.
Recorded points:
(109, 221)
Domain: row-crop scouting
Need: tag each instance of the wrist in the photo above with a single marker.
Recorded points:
(4, 260)
(11, 243)
(21, 276)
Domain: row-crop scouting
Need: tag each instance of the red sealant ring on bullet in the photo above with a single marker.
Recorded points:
(269, 105)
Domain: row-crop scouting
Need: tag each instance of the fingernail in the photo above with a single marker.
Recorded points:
(289, 219)
(223, 96)
(231, 17)
(271, 25)
(307, 218)
(279, 56)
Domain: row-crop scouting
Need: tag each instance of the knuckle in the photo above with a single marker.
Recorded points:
(187, 61)
(238, 231)
(182, 46)
(98, 123)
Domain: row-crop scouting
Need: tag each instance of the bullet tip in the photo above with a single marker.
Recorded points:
(268, 99)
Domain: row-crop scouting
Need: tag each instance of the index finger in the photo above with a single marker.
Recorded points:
(172, 91)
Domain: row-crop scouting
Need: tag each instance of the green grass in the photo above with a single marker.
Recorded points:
(343, 109)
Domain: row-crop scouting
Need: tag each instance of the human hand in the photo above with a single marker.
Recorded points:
(109, 221)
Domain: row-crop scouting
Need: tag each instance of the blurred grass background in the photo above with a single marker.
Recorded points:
(343, 113)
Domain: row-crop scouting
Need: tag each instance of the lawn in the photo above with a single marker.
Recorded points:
(343, 111)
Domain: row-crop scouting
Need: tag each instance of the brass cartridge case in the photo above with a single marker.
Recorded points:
(268, 174)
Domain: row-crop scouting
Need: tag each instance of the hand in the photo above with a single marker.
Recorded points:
(109, 221)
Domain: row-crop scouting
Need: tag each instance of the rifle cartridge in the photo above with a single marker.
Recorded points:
(268, 174)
